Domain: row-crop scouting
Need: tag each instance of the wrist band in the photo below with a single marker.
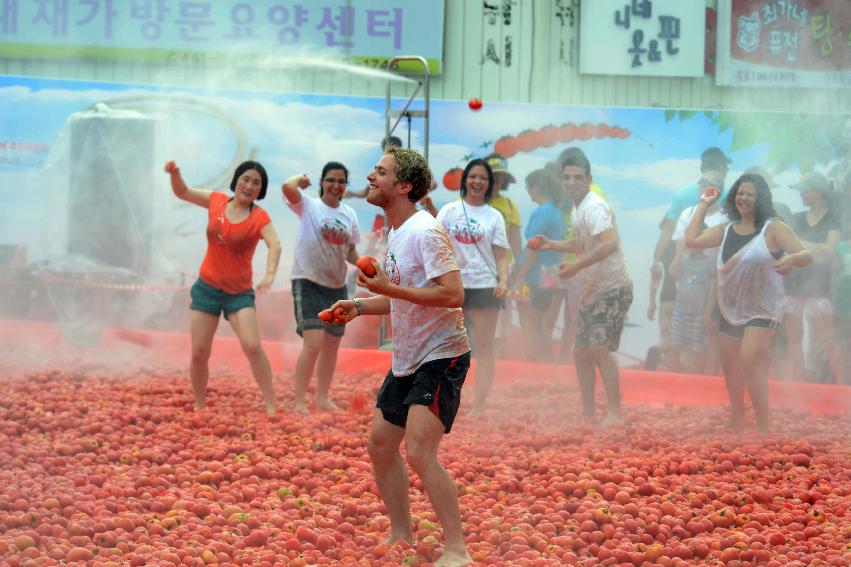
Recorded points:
(359, 306)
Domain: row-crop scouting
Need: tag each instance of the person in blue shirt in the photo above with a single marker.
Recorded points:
(714, 165)
(538, 269)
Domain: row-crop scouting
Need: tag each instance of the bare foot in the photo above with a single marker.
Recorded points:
(477, 411)
(393, 539)
(200, 405)
(271, 408)
(450, 559)
(326, 405)
(586, 417)
(302, 409)
(611, 419)
(736, 421)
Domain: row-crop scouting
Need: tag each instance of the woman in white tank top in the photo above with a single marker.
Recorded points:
(757, 250)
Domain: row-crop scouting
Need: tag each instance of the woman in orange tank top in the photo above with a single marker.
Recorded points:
(224, 285)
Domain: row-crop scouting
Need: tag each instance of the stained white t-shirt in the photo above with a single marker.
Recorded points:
(473, 237)
(592, 217)
(417, 252)
(712, 219)
(322, 242)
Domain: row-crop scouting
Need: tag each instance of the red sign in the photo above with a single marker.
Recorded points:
(803, 43)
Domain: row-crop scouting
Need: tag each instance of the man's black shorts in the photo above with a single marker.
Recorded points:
(436, 384)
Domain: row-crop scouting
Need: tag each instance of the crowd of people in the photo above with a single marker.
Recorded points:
(809, 327)
(565, 269)
(735, 274)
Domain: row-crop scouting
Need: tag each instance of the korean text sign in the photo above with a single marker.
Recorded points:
(369, 31)
(641, 37)
(785, 43)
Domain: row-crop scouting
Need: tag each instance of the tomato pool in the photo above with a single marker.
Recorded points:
(105, 463)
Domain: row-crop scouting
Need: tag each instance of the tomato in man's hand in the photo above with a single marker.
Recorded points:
(364, 264)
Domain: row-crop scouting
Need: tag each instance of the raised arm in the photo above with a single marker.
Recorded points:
(291, 186)
(428, 205)
(184, 192)
(696, 236)
(350, 193)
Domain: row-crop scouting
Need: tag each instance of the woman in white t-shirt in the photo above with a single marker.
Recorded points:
(477, 233)
(326, 240)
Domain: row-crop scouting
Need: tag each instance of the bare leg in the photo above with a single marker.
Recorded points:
(422, 436)
(666, 311)
(610, 375)
(675, 359)
(696, 361)
(824, 334)
(844, 348)
(530, 325)
(325, 371)
(568, 329)
(484, 325)
(756, 344)
(311, 346)
(731, 365)
(202, 330)
(793, 321)
(244, 323)
(585, 373)
(711, 356)
(548, 324)
(391, 476)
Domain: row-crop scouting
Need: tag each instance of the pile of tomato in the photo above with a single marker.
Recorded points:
(112, 467)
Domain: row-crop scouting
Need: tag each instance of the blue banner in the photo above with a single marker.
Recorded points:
(368, 31)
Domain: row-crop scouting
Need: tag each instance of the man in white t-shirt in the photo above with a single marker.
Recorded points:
(420, 286)
(606, 294)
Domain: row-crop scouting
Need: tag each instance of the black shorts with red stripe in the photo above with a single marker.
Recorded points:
(435, 384)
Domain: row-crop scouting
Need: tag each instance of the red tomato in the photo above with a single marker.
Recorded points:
(340, 315)
(364, 263)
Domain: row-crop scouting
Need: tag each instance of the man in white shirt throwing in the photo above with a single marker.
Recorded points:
(420, 286)
(606, 295)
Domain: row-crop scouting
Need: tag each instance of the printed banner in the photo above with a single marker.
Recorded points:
(213, 32)
(784, 43)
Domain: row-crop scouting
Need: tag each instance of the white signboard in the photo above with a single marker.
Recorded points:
(642, 37)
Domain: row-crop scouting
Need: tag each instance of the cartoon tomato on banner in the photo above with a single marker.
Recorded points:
(452, 179)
